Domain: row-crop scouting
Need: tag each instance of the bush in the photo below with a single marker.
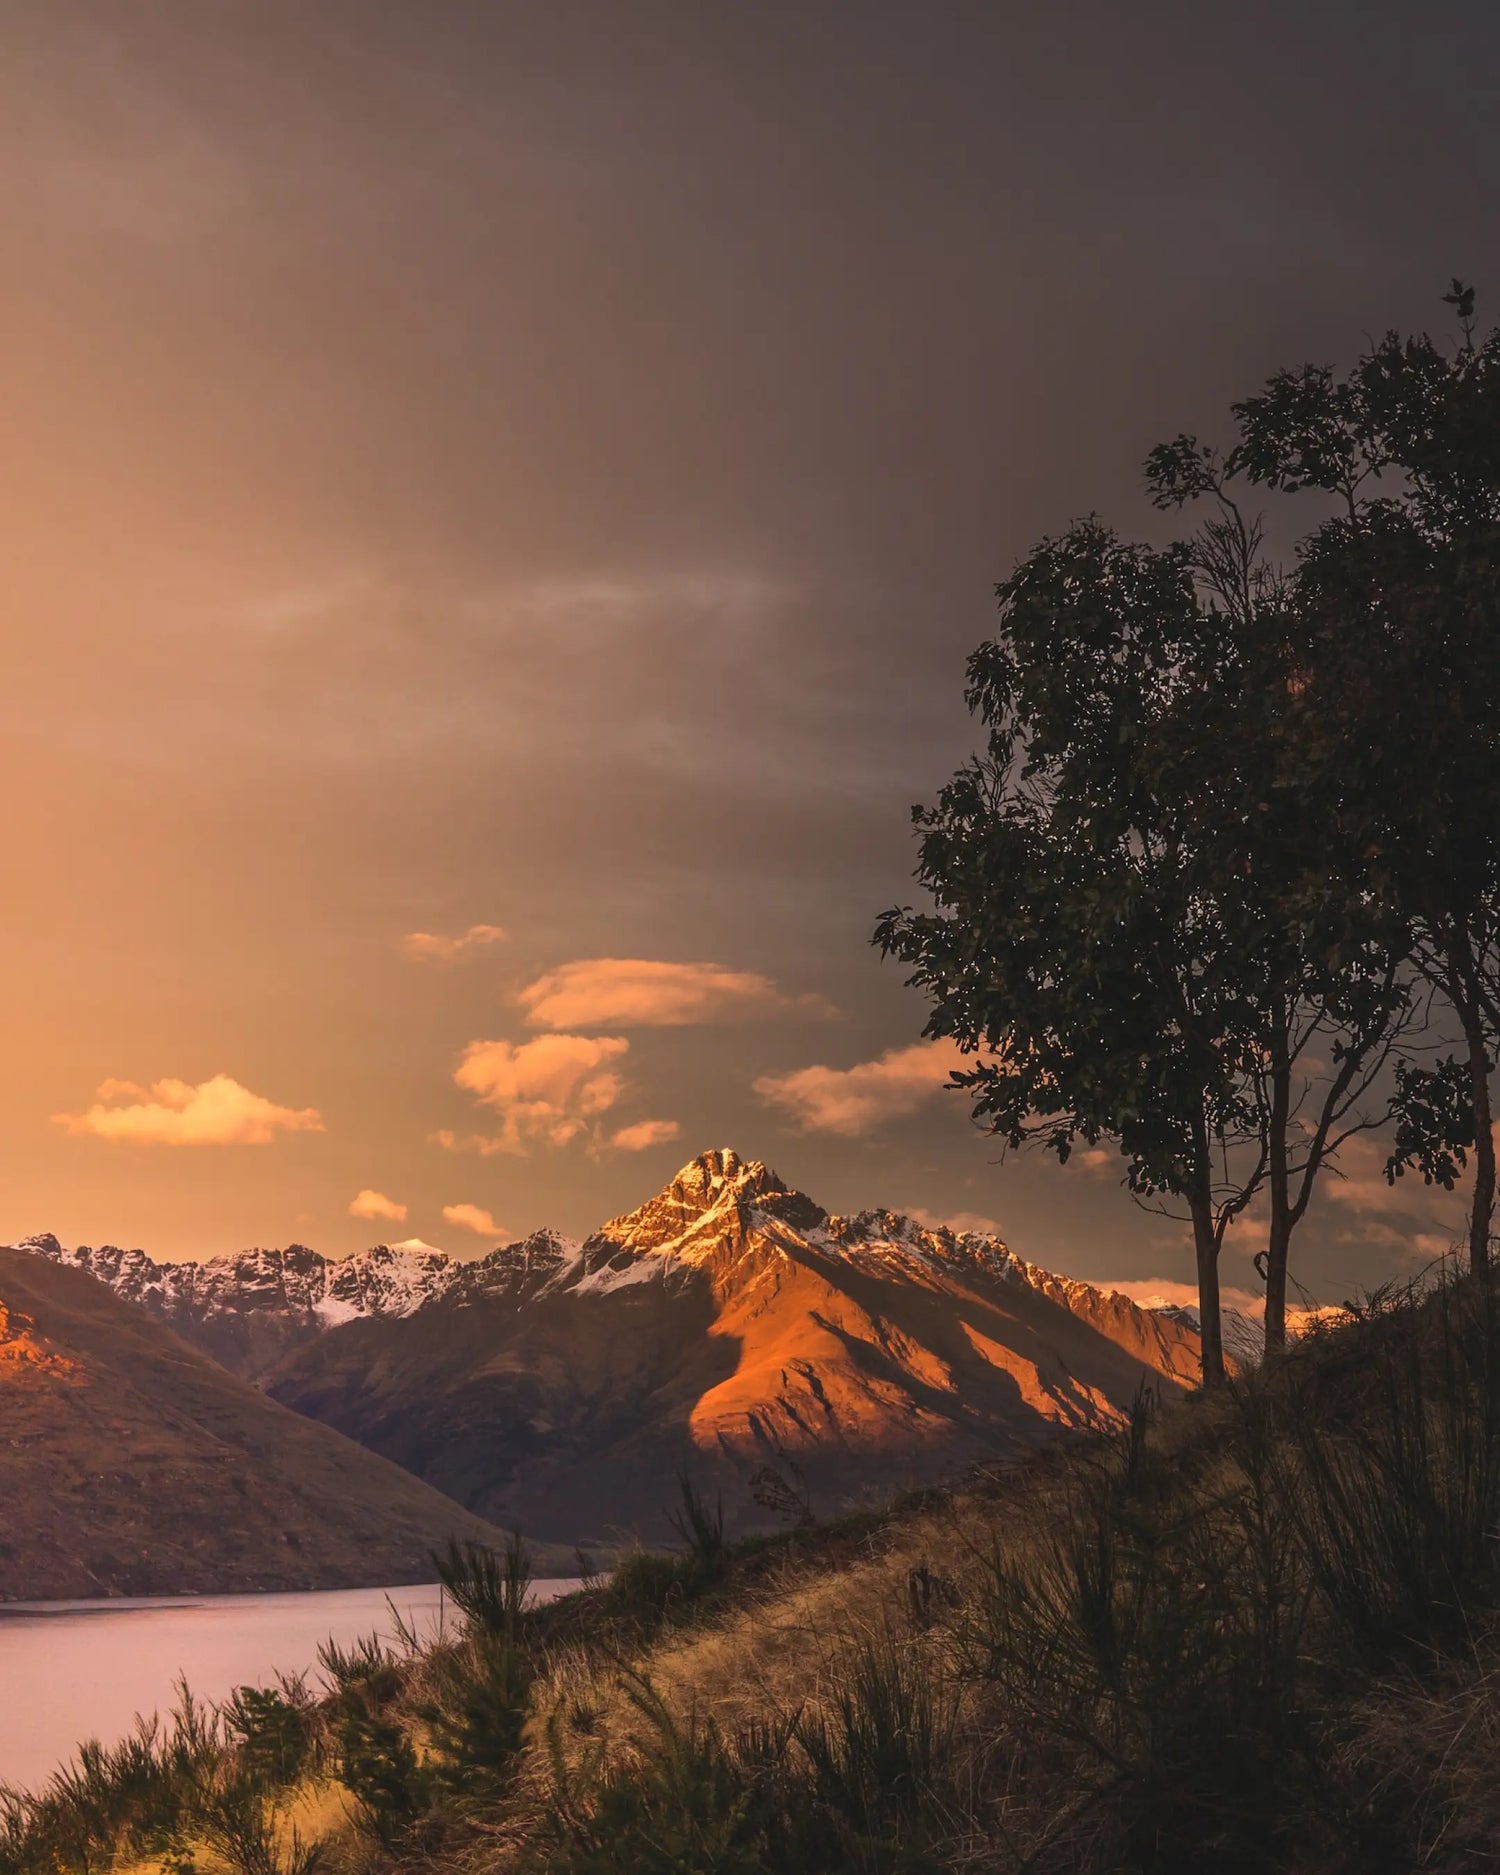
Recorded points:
(237, 1823)
(276, 1728)
(378, 1766)
(138, 1796)
(477, 1714)
(489, 1590)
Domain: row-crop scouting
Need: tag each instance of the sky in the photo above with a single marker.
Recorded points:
(495, 500)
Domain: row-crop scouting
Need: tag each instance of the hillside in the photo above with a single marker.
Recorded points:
(132, 1464)
(1254, 1632)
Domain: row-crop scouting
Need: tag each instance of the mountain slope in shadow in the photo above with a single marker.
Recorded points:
(130, 1463)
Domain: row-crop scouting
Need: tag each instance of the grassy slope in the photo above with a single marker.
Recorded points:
(129, 1463)
(1260, 1633)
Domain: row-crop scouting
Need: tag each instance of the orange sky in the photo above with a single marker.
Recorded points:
(536, 473)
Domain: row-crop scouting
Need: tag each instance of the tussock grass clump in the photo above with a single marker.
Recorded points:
(859, 1783)
(649, 1585)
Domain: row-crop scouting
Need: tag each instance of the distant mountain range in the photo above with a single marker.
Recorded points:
(130, 1463)
(730, 1326)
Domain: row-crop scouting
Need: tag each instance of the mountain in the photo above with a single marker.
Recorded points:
(131, 1463)
(248, 1310)
(729, 1325)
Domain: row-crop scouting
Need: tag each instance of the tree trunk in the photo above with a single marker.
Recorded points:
(1482, 1211)
(1206, 1247)
(1464, 993)
(1278, 1254)
(1279, 1241)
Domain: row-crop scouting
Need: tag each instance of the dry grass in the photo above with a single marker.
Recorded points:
(1257, 1634)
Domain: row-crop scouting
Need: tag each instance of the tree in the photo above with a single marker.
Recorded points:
(1227, 815)
(1073, 950)
(1144, 926)
(1393, 729)
(1326, 966)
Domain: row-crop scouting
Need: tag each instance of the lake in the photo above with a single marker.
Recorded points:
(76, 1670)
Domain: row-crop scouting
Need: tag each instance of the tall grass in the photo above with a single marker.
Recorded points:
(1260, 1634)
(139, 1795)
(1396, 1493)
(860, 1785)
(650, 1584)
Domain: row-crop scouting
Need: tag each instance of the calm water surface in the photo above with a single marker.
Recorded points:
(76, 1670)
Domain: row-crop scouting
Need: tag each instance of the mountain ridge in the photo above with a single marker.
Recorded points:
(392, 1281)
(729, 1326)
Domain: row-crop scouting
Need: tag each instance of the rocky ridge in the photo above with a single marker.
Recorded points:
(707, 1217)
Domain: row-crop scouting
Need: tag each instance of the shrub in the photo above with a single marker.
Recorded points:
(276, 1728)
(378, 1766)
(236, 1821)
(489, 1590)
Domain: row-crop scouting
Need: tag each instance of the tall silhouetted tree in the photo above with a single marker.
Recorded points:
(1072, 947)
(1394, 721)
(1324, 969)
(1225, 814)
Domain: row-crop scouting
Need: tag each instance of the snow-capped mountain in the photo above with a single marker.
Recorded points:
(247, 1310)
(692, 1224)
(729, 1323)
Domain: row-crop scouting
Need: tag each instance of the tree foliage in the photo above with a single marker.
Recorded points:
(1235, 823)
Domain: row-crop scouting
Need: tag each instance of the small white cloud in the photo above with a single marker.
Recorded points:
(472, 1217)
(644, 1134)
(971, 1223)
(546, 1091)
(1161, 1292)
(641, 992)
(430, 947)
(216, 1112)
(853, 1101)
(375, 1205)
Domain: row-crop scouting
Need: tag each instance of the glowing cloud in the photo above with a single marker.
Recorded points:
(639, 992)
(1425, 1221)
(1165, 1292)
(428, 947)
(644, 1134)
(961, 1223)
(472, 1217)
(375, 1204)
(546, 1091)
(216, 1112)
(853, 1101)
